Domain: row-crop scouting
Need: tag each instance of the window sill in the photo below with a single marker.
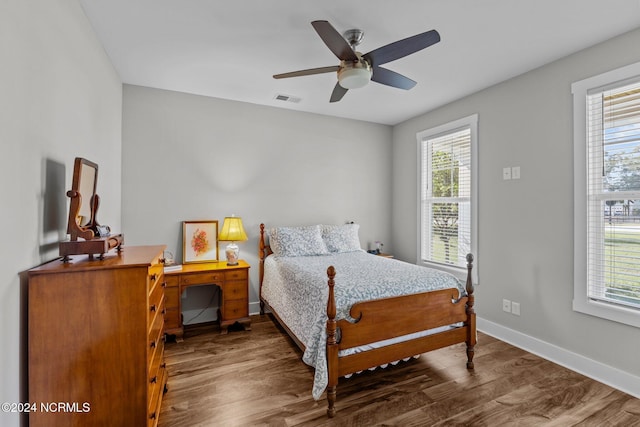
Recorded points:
(615, 313)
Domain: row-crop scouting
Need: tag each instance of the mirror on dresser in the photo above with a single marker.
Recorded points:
(86, 234)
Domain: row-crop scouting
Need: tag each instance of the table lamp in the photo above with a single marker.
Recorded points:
(232, 231)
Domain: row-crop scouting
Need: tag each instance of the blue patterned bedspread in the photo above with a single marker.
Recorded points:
(296, 288)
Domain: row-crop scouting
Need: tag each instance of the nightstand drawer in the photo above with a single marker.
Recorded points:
(201, 279)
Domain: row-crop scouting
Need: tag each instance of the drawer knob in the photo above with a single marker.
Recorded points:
(154, 277)
(153, 344)
(164, 284)
(154, 379)
(153, 307)
(152, 416)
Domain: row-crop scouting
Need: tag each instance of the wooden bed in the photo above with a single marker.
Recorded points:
(386, 318)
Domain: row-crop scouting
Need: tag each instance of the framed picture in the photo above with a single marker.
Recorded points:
(199, 241)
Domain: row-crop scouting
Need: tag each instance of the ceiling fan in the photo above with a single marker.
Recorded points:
(355, 69)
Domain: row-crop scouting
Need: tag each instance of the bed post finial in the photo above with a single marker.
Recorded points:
(261, 257)
(332, 345)
(471, 314)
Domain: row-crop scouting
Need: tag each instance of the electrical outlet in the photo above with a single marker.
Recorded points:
(506, 305)
(506, 173)
(515, 308)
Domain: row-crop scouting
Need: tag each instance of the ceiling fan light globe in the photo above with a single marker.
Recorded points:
(354, 78)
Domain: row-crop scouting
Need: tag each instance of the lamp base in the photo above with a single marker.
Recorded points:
(233, 254)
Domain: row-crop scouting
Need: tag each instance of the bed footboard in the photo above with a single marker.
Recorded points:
(386, 318)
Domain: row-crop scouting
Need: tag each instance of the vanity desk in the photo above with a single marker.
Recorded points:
(233, 281)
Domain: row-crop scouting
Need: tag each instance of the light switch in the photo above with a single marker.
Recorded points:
(515, 172)
(506, 173)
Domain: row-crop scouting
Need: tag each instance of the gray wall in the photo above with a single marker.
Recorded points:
(525, 226)
(188, 157)
(60, 98)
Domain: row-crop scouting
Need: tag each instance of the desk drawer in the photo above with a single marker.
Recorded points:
(172, 318)
(172, 297)
(172, 280)
(235, 290)
(236, 274)
(235, 309)
(201, 278)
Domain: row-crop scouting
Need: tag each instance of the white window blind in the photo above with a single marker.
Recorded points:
(613, 194)
(446, 197)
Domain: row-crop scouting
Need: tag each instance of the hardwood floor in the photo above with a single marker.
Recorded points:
(256, 378)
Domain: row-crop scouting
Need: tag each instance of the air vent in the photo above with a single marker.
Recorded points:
(287, 98)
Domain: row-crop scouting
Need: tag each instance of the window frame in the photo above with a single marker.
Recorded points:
(582, 302)
(470, 122)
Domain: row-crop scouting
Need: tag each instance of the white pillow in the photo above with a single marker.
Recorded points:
(341, 238)
(297, 241)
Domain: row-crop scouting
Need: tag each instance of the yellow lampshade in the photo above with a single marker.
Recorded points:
(232, 230)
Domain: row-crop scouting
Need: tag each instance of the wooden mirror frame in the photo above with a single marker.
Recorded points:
(83, 225)
(84, 200)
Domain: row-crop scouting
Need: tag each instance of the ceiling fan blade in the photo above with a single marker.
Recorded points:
(334, 41)
(402, 48)
(338, 93)
(391, 78)
(308, 72)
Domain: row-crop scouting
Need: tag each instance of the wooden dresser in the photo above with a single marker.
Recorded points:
(233, 281)
(96, 341)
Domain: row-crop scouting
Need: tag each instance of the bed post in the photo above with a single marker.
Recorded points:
(471, 315)
(332, 346)
(261, 250)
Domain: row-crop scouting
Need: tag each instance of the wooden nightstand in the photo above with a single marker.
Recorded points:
(233, 282)
(385, 255)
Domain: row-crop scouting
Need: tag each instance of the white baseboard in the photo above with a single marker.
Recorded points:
(254, 308)
(608, 375)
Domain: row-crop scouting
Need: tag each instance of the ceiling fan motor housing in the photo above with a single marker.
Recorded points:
(354, 75)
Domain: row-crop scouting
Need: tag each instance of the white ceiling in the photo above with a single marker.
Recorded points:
(230, 49)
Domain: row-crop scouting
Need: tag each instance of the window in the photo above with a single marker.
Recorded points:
(607, 195)
(447, 201)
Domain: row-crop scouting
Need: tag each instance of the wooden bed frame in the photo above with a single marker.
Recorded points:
(387, 318)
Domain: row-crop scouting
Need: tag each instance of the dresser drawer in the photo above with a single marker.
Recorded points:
(235, 290)
(156, 273)
(154, 366)
(201, 278)
(155, 393)
(234, 309)
(241, 274)
(156, 337)
(155, 298)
